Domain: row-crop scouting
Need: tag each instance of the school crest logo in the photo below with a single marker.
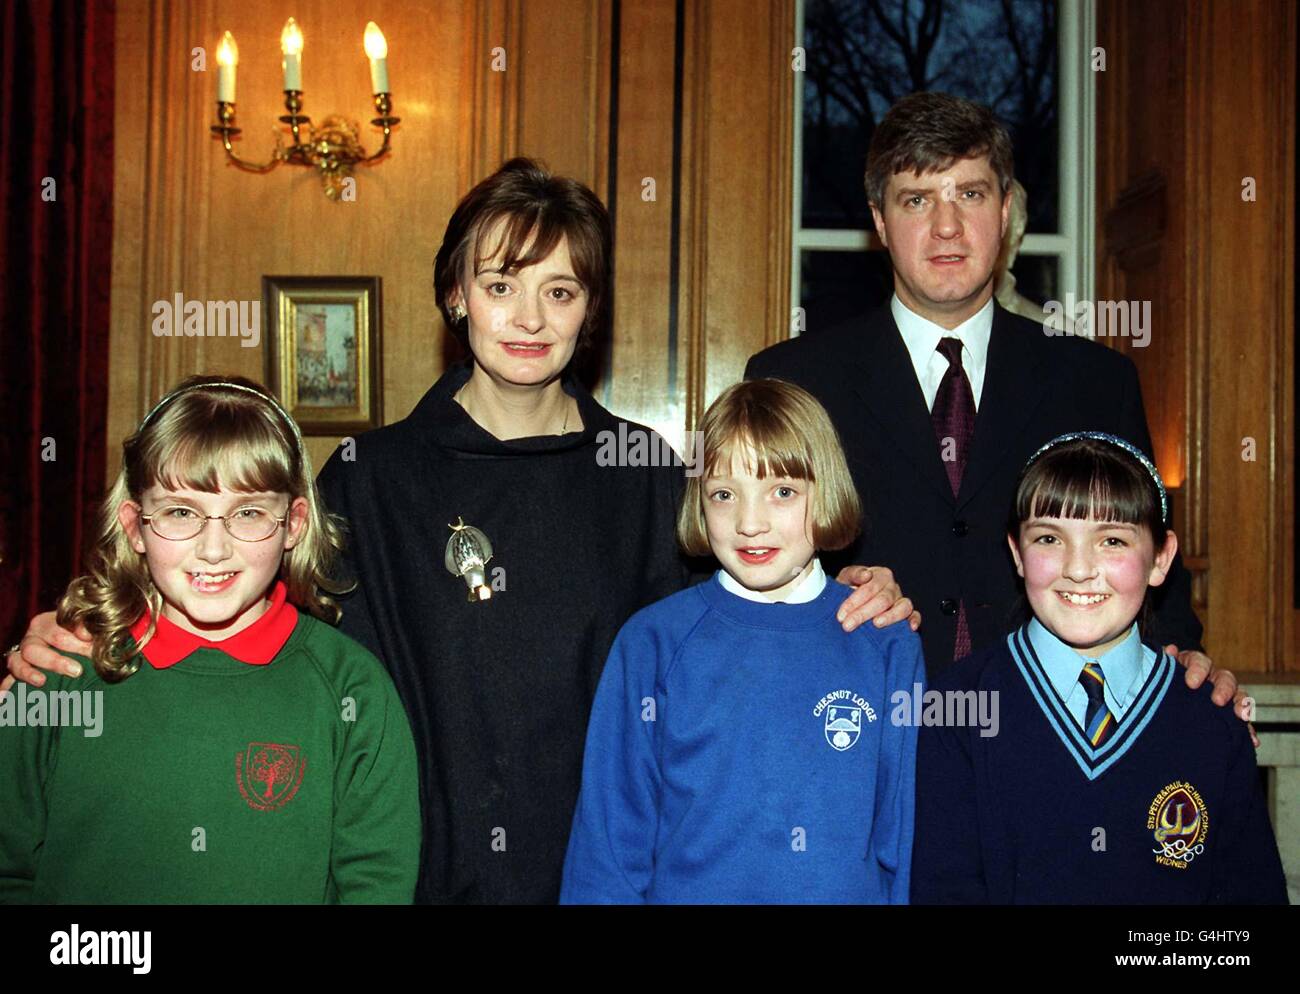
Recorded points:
(269, 774)
(843, 713)
(1179, 823)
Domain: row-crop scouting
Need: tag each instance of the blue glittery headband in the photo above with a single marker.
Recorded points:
(227, 385)
(1115, 440)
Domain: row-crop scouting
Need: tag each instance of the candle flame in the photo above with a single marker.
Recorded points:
(291, 38)
(376, 44)
(227, 51)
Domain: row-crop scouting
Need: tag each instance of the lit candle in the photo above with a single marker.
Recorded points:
(291, 46)
(377, 49)
(227, 59)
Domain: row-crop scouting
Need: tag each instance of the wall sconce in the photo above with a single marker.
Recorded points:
(333, 148)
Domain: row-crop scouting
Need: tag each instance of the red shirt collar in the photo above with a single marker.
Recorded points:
(257, 644)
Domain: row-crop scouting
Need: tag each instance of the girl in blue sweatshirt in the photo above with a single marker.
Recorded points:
(740, 747)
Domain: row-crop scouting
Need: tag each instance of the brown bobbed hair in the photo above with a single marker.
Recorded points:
(788, 434)
(205, 434)
(925, 132)
(534, 210)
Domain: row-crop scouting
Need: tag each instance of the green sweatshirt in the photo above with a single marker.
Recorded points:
(213, 781)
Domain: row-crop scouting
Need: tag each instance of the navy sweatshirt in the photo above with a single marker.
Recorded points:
(742, 752)
(1169, 810)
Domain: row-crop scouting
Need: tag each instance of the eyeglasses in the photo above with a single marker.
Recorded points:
(247, 524)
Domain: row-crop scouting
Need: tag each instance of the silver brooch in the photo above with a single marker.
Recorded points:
(468, 552)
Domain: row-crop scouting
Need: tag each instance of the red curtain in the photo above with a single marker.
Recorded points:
(56, 241)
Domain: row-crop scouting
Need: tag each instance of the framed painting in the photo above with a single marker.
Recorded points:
(323, 335)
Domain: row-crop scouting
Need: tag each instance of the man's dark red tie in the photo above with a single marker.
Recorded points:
(953, 416)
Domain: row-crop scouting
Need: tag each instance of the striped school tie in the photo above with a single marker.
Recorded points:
(1098, 723)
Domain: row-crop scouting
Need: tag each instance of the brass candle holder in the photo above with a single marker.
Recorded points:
(334, 148)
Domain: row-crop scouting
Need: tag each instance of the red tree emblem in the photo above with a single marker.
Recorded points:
(269, 774)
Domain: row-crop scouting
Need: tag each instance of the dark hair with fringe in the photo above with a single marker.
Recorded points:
(1081, 479)
(534, 210)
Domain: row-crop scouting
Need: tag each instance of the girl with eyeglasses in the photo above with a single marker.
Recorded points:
(241, 750)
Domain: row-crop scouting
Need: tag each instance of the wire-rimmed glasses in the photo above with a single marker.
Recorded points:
(176, 523)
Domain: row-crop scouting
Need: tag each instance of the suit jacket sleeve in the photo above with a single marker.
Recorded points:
(760, 366)
(1174, 619)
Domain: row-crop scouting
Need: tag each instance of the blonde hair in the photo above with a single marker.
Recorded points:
(790, 435)
(208, 433)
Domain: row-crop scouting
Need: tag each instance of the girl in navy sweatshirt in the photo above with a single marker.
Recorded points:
(1109, 780)
(740, 747)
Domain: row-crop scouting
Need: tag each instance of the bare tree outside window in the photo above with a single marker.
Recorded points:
(865, 55)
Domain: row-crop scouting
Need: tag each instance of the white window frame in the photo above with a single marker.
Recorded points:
(1074, 245)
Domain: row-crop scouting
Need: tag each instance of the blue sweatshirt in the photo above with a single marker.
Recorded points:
(742, 752)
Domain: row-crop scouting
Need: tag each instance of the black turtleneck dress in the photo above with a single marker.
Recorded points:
(499, 691)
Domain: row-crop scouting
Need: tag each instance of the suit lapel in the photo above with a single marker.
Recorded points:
(1013, 388)
(887, 384)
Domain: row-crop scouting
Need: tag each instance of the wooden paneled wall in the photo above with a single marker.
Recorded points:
(1197, 101)
(613, 93)
(682, 123)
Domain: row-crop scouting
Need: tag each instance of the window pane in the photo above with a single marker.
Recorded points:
(1037, 277)
(839, 287)
(842, 287)
(864, 55)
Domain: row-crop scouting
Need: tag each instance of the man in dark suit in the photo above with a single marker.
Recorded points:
(941, 396)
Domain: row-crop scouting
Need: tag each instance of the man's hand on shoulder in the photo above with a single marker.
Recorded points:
(876, 597)
(1201, 668)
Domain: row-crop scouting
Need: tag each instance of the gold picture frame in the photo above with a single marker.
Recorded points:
(324, 347)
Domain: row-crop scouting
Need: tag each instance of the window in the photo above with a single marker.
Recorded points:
(1023, 58)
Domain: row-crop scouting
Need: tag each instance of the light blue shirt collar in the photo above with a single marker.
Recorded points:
(809, 588)
(1125, 668)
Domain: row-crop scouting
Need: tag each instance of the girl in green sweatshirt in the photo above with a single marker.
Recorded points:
(220, 745)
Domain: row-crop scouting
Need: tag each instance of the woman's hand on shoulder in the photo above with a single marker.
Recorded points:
(39, 650)
(877, 597)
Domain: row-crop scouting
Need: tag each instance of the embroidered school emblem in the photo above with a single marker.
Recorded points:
(844, 713)
(1179, 823)
(269, 774)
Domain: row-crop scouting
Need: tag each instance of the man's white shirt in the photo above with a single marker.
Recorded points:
(921, 336)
